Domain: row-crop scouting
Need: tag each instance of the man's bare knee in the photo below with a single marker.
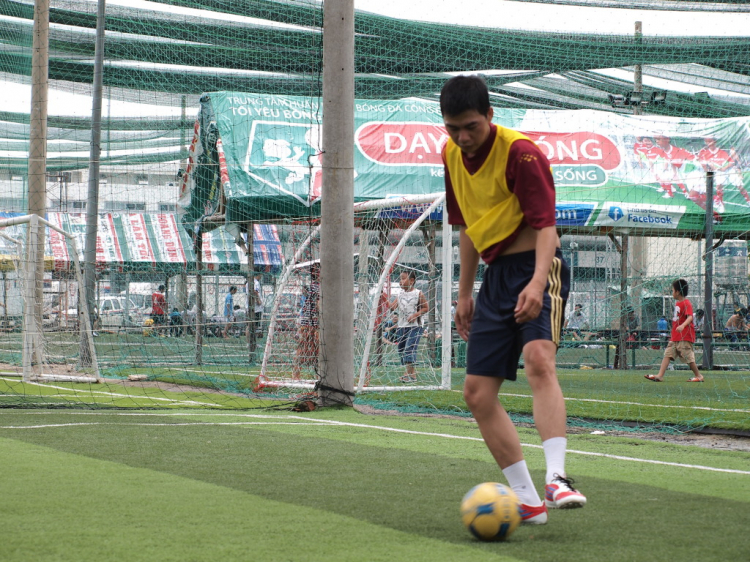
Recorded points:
(539, 358)
(472, 397)
(480, 393)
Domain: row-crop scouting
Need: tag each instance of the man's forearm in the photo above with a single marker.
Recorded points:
(546, 244)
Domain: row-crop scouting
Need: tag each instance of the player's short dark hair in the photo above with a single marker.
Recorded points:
(410, 274)
(232, 288)
(681, 286)
(161, 288)
(464, 93)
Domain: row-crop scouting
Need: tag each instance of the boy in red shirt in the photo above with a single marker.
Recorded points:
(683, 335)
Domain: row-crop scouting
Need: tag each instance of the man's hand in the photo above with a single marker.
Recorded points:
(462, 317)
(529, 303)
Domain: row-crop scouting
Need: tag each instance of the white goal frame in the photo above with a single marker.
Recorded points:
(33, 345)
(432, 202)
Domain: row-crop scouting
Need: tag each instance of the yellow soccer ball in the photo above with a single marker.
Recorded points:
(490, 511)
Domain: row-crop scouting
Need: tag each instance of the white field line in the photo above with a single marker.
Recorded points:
(570, 451)
(45, 426)
(74, 392)
(309, 421)
(632, 403)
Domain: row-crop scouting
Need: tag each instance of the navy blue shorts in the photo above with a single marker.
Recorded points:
(408, 341)
(496, 340)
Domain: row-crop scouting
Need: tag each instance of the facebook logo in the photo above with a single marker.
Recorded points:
(615, 213)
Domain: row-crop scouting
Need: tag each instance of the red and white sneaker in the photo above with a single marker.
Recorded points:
(533, 514)
(560, 494)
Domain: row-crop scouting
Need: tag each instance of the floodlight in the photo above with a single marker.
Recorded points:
(658, 96)
(616, 100)
(634, 98)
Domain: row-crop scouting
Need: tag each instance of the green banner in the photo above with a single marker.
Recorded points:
(610, 170)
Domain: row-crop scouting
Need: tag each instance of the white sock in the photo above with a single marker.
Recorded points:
(520, 482)
(554, 452)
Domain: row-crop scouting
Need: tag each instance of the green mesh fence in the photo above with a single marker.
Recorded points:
(211, 144)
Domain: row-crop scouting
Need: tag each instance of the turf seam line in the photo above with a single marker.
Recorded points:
(742, 411)
(396, 430)
(570, 451)
(54, 425)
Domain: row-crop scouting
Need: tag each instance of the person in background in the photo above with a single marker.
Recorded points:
(682, 337)
(700, 317)
(158, 308)
(229, 311)
(411, 304)
(308, 337)
(633, 332)
(175, 323)
(735, 325)
(577, 322)
(390, 330)
(453, 333)
(257, 308)
(240, 319)
(663, 327)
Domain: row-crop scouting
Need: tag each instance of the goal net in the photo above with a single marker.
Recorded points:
(47, 334)
(394, 236)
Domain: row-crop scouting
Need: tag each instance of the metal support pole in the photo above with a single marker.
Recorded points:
(337, 207)
(30, 360)
(708, 304)
(622, 357)
(638, 74)
(199, 298)
(37, 203)
(92, 200)
(251, 329)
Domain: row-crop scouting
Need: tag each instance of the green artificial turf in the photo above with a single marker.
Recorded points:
(610, 396)
(601, 398)
(337, 485)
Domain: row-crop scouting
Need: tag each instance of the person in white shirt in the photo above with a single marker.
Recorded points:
(577, 322)
(255, 305)
(411, 304)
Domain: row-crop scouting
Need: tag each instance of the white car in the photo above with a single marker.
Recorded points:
(112, 314)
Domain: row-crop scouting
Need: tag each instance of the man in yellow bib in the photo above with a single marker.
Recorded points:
(500, 191)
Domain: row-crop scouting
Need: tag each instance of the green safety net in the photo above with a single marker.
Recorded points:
(631, 217)
(168, 59)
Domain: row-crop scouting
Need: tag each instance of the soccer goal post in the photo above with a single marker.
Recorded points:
(392, 236)
(50, 343)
